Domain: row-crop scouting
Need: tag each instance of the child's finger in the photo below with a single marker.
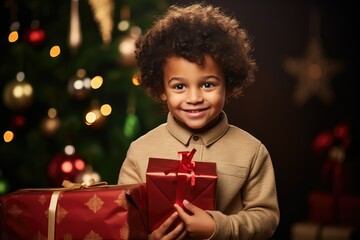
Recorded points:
(183, 215)
(179, 232)
(166, 224)
(190, 207)
(179, 209)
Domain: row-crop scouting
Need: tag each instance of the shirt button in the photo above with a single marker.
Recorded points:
(195, 138)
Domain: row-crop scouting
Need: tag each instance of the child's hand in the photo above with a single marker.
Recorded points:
(179, 232)
(199, 225)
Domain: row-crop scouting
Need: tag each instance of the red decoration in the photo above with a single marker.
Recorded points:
(339, 136)
(331, 205)
(18, 121)
(35, 36)
(65, 167)
(322, 141)
(332, 145)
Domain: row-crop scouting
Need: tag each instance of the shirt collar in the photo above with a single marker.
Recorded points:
(210, 136)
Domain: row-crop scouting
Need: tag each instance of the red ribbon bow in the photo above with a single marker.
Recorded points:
(186, 165)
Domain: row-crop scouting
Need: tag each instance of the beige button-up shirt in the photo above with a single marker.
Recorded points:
(247, 205)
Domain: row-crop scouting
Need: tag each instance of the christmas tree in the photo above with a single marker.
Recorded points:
(71, 104)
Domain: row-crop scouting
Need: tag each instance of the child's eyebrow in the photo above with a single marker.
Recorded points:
(211, 76)
(176, 79)
(201, 78)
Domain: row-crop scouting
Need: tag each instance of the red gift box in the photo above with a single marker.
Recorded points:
(349, 210)
(322, 207)
(171, 181)
(105, 212)
(328, 208)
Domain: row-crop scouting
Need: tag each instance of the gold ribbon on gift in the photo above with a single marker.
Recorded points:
(68, 186)
(86, 184)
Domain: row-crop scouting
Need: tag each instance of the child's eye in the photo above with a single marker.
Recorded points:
(179, 86)
(208, 85)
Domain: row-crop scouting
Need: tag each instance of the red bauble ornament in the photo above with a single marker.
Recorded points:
(35, 35)
(18, 121)
(65, 167)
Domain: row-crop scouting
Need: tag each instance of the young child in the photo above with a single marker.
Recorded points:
(194, 59)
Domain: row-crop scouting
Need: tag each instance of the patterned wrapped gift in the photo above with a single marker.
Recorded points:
(170, 181)
(77, 211)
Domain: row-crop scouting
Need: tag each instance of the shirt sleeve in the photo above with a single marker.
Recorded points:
(260, 215)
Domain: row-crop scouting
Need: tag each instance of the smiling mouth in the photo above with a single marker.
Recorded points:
(194, 111)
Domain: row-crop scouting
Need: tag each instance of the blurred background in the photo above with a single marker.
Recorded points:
(70, 105)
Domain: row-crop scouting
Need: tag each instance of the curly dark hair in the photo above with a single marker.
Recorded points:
(192, 32)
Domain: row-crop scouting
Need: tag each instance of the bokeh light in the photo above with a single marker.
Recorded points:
(90, 118)
(66, 167)
(96, 82)
(55, 51)
(69, 149)
(8, 136)
(123, 25)
(13, 36)
(135, 79)
(105, 110)
(52, 112)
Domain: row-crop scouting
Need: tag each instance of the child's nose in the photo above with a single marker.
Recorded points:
(194, 96)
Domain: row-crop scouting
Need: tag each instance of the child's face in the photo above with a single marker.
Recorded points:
(195, 95)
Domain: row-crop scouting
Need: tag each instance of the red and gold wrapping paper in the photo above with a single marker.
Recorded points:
(111, 212)
(167, 183)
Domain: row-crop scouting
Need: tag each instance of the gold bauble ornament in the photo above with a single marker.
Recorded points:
(18, 93)
(126, 47)
(79, 85)
(51, 123)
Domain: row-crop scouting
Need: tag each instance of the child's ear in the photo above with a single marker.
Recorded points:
(163, 97)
